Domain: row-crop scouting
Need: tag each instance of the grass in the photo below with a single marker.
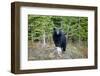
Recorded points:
(73, 51)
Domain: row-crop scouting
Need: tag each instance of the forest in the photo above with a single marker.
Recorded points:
(40, 42)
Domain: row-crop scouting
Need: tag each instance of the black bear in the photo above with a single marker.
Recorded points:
(59, 40)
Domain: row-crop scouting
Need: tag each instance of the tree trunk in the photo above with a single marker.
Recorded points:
(32, 38)
(44, 39)
(79, 33)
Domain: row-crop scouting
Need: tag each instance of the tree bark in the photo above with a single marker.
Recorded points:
(44, 39)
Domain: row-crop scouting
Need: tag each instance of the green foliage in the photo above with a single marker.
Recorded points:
(76, 28)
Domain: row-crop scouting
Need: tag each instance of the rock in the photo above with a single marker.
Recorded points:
(51, 55)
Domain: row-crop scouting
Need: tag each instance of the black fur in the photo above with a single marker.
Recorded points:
(59, 39)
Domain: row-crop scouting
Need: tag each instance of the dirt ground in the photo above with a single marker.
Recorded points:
(36, 52)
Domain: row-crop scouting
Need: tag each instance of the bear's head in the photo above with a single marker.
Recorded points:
(57, 31)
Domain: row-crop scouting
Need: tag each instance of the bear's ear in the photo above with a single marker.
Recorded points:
(54, 28)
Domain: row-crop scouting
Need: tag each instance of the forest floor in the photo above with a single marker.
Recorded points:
(36, 52)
